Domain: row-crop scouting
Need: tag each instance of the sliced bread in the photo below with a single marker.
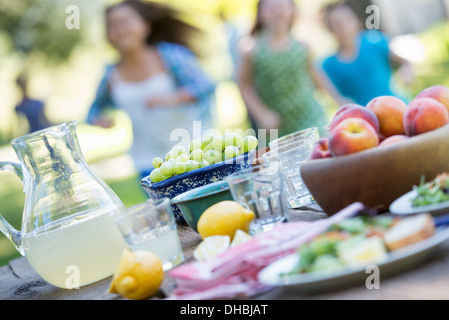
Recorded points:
(409, 231)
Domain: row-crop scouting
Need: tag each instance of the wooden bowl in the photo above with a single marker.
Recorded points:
(377, 176)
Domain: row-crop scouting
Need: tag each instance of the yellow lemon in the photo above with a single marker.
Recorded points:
(138, 275)
(211, 247)
(224, 219)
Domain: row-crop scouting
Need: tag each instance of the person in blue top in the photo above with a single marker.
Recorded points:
(362, 68)
(157, 81)
(32, 109)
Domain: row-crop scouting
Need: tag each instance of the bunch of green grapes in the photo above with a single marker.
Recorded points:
(200, 154)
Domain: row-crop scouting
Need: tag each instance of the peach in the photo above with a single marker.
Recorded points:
(439, 93)
(393, 140)
(352, 135)
(423, 115)
(321, 149)
(390, 113)
(345, 107)
(354, 111)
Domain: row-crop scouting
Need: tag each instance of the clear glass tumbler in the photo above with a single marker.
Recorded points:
(270, 158)
(151, 226)
(295, 137)
(260, 189)
(291, 157)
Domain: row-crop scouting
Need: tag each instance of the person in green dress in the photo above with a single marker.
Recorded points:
(276, 77)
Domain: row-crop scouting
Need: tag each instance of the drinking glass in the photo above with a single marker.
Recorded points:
(290, 157)
(295, 137)
(151, 226)
(270, 158)
(260, 189)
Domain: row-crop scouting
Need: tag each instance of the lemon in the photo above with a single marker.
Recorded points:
(239, 238)
(224, 219)
(138, 275)
(211, 247)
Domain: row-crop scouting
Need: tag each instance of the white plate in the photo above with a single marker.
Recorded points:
(397, 261)
(403, 206)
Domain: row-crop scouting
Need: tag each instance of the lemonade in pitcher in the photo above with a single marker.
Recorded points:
(76, 251)
(68, 234)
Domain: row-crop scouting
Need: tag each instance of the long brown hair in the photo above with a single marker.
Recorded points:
(258, 24)
(327, 10)
(165, 23)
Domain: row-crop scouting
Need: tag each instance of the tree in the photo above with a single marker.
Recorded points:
(40, 27)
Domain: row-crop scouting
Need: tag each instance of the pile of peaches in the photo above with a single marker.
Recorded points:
(384, 121)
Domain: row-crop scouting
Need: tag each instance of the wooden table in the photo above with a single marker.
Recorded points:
(18, 281)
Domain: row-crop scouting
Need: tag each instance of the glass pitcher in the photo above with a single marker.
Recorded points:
(68, 233)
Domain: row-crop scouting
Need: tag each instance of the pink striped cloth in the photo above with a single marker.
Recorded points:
(233, 274)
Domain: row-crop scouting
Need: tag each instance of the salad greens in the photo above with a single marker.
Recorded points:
(432, 192)
(325, 252)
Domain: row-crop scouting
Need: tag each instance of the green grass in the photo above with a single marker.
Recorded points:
(11, 206)
(128, 190)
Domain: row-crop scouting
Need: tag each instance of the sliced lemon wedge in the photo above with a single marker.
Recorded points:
(211, 247)
(239, 238)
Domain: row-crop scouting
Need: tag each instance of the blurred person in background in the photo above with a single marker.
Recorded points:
(362, 67)
(32, 109)
(158, 80)
(276, 77)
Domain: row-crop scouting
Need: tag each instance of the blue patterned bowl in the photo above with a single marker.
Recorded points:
(178, 184)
